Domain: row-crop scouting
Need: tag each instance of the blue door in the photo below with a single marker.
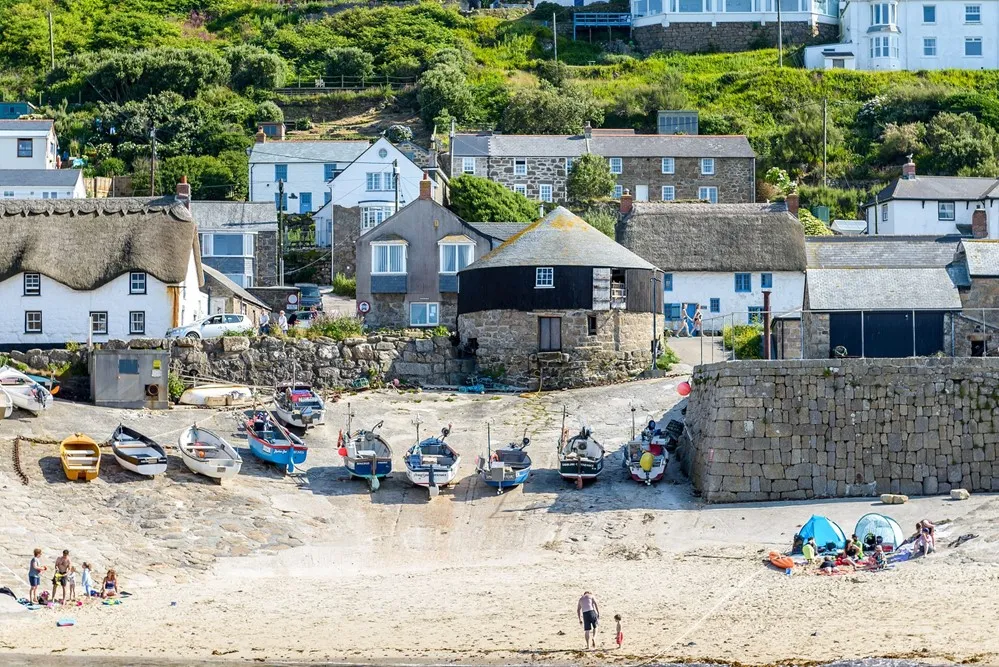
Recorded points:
(689, 311)
(305, 202)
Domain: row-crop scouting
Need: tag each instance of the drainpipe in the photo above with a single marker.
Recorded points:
(766, 324)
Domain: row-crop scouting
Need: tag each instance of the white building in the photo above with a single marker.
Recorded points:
(916, 205)
(42, 184)
(97, 268)
(719, 259)
(906, 35)
(28, 144)
(306, 167)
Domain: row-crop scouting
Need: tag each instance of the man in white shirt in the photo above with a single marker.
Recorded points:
(282, 322)
(265, 322)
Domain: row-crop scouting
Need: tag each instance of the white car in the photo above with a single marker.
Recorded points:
(212, 327)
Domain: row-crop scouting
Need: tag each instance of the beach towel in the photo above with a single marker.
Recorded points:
(65, 622)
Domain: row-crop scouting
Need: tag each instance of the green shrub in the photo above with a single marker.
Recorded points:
(344, 286)
(337, 327)
(745, 339)
(439, 330)
(667, 359)
(175, 387)
(247, 333)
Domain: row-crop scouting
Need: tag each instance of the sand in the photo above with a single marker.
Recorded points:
(316, 568)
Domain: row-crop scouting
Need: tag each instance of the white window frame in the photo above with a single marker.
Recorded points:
(934, 8)
(520, 167)
(372, 216)
(705, 192)
(544, 277)
(618, 191)
(884, 212)
(707, 166)
(669, 193)
(542, 189)
(138, 278)
(134, 330)
(443, 248)
(95, 323)
(669, 165)
(520, 188)
(373, 181)
(969, 13)
(952, 217)
(375, 247)
(426, 306)
(616, 165)
(468, 165)
(884, 13)
(974, 40)
(929, 47)
(568, 164)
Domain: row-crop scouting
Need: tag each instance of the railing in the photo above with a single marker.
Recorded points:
(590, 20)
(322, 84)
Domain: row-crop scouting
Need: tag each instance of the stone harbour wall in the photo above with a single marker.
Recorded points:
(730, 36)
(792, 429)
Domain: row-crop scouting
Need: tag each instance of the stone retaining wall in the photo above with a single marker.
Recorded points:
(788, 430)
(729, 36)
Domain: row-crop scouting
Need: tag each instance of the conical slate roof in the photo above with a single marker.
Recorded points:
(561, 238)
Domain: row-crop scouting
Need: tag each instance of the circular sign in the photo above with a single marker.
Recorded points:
(363, 307)
(292, 298)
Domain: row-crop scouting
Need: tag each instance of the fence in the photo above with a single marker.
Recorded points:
(321, 84)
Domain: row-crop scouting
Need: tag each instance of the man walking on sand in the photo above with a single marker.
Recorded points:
(588, 612)
(62, 566)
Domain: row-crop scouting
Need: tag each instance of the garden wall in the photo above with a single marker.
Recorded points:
(790, 429)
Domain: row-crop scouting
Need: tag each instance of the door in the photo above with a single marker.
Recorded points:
(689, 313)
(641, 193)
(305, 202)
(212, 327)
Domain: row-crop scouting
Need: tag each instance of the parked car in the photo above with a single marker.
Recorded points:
(305, 318)
(212, 327)
(309, 296)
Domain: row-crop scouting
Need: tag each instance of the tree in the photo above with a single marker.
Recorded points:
(900, 141)
(399, 133)
(813, 226)
(252, 66)
(799, 146)
(351, 62)
(477, 199)
(551, 110)
(445, 88)
(961, 145)
(268, 112)
(554, 72)
(590, 178)
(600, 218)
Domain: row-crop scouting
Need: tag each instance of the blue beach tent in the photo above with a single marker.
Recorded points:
(828, 535)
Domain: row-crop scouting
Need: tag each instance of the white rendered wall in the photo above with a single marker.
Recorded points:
(79, 191)
(918, 218)
(787, 294)
(43, 154)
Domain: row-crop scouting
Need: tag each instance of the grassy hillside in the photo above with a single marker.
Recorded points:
(205, 72)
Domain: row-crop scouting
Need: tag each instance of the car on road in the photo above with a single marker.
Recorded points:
(306, 318)
(309, 296)
(212, 327)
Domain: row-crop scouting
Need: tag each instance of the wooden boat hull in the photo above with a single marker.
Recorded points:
(217, 395)
(573, 469)
(224, 466)
(24, 392)
(283, 455)
(137, 453)
(363, 467)
(81, 458)
(6, 404)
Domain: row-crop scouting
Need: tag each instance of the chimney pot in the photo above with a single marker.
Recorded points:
(426, 187)
(792, 203)
(979, 224)
(184, 191)
(260, 137)
(909, 170)
(626, 202)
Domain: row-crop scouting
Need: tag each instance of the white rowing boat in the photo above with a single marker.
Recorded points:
(138, 453)
(207, 453)
(217, 395)
(24, 392)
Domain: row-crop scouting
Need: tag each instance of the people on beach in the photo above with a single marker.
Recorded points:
(828, 566)
(588, 612)
(925, 537)
(87, 582)
(811, 550)
(62, 567)
(71, 581)
(619, 635)
(880, 559)
(110, 587)
(855, 541)
(35, 569)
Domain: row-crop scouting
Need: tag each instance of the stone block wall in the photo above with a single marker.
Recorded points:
(547, 170)
(346, 231)
(792, 429)
(507, 344)
(391, 311)
(734, 177)
(816, 326)
(265, 259)
(729, 36)
(978, 323)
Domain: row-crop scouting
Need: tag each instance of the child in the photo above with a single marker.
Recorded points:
(880, 561)
(87, 582)
(71, 580)
(35, 569)
(110, 585)
(620, 634)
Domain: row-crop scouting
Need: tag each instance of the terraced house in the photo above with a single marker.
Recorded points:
(653, 167)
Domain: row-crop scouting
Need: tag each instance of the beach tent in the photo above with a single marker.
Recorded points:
(824, 531)
(884, 529)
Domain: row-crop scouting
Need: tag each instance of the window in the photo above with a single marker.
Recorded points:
(755, 314)
(707, 166)
(929, 13)
(545, 192)
(468, 165)
(879, 47)
(668, 165)
(99, 324)
(743, 282)
(618, 191)
(455, 256)
(137, 282)
(137, 322)
(568, 164)
(616, 165)
(226, 245)
(972, 14)
(8, 194)
(884, 212)
(329, 171)
(883, 13)
(280, 172)
(591, 325)
(423, 314)
(972, 46)
(25, 148)
(767, 280)
(930, 46)
(382, 153)
(32, 321)
(667, 282)
(32, 284)
(388, 258)
(50, 195)
(549, 334)
(305, 202)
(520, 189)
(669, 193)
(839, 63)
(708, 194)
(373, 181)
(672, 311)
(544, 277)
(372, 216)
(714, 306)
(128, 367)
(327, 197)
(946, 211)
(520, 167)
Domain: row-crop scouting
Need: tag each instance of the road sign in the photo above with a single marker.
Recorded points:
(363, 307)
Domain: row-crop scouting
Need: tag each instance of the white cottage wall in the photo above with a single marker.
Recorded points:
(787, 294)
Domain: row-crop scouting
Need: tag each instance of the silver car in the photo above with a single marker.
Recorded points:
(213, 326)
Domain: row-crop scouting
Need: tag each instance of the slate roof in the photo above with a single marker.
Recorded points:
(282, 152)
(26, 125)
(933, 188)
(220, 279)
(235, 215)
(499, 230)
(561, 238)
(43, 178)
(982, 258)
(853, 252)
(715, 237)
(606, 145)
(881, 289)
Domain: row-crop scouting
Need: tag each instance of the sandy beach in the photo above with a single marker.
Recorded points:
(314, 567)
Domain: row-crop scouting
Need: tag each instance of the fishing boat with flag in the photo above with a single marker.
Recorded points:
(645, 456)
(273, 443)
(366, 454)
(432, 463)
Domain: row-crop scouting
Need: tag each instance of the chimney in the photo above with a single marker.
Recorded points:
(260, 137)
(791, 201)
(909, 170)
(626, 201)
(426, 187)
(184, 191)
(979, 223)
(588, 130)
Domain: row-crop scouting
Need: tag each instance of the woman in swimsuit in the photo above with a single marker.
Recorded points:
(110, 585)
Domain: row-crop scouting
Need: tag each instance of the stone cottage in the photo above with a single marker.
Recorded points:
(559, 305)
(977, 329)
(239, 239)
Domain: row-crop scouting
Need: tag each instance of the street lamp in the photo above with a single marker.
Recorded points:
(282, 207)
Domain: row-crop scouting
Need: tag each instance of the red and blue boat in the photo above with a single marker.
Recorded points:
(271, 442)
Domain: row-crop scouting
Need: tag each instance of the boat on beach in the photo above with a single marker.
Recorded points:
(580, 457)
(505, 467)
(645, 456)
(138, 453)
(6, 404)
(217, 395)
(365, 453)
(299, 405)
(273, 443)
(24, 392)
(206, 453)
(432, 463)
(81, 457)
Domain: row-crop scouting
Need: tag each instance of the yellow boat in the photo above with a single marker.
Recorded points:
(81, 457)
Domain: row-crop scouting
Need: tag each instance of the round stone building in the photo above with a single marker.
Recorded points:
(560, 305)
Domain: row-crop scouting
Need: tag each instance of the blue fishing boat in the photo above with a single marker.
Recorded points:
(506, 467)
(366, 454)
(432, 463)
(271, 442)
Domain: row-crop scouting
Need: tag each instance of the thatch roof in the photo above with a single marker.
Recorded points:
(715, 237)
(561, 238)
(85, 243)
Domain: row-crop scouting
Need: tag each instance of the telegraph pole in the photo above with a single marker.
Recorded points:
(152, 161)
(555, 35)
(51, 41)
(780, 37)
(280, 241)
(825, 139)
(395, 184)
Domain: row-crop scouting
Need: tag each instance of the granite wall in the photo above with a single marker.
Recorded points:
(726, 36)
(791, 429)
